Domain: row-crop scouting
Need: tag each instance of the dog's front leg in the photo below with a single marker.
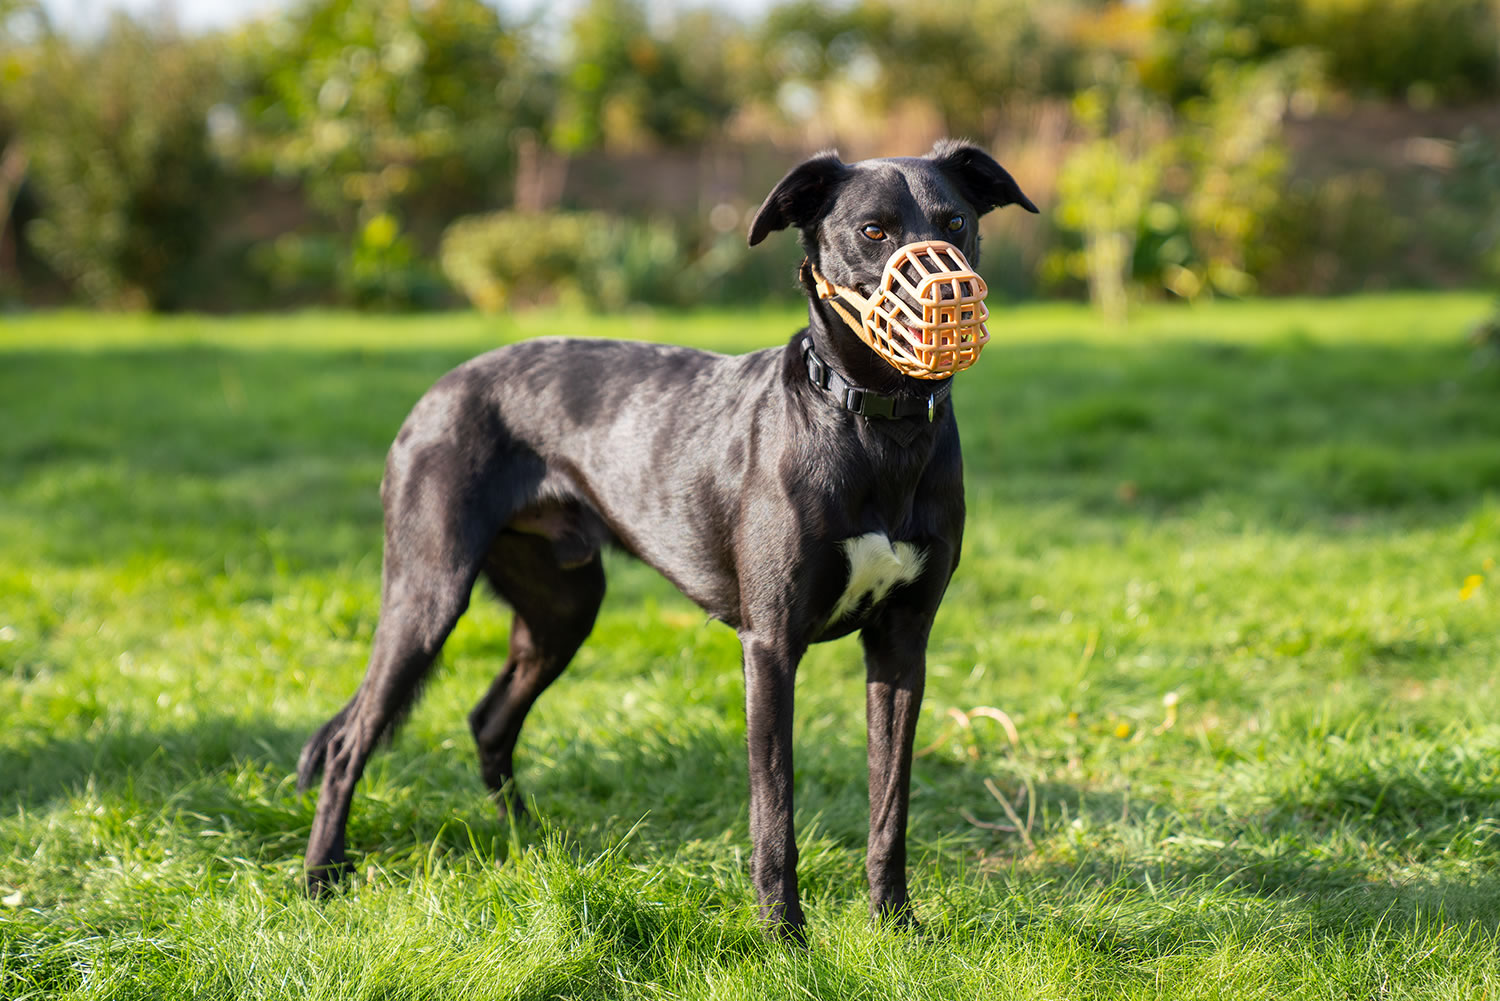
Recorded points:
(895, 671)
(770, 669)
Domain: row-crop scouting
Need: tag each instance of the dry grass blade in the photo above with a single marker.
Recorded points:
(1024, 830)
(987, 825)
(1000, 716)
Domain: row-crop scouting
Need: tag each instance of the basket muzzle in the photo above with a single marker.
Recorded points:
(927, 317)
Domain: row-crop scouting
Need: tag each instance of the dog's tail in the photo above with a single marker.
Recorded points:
(314, 756)
(315, 752)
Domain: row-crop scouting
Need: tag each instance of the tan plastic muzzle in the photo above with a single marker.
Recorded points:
(947, 334)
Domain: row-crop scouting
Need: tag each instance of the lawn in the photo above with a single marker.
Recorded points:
(1225, 639)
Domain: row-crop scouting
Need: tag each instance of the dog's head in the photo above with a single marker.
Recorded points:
(853, 217)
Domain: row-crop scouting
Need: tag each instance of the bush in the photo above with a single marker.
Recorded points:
(587, 258)
(1374, 228)
(599, 261)
(388, 105)
(1332, 235)
(119, 156)
(379, 269)
(1233, 150)
(1486, 338)
(1428, 50)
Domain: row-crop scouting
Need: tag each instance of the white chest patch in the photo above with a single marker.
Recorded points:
(875, 567)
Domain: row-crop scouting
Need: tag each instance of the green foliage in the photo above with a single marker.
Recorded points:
(1232, 148)
(378, 105)
(582, 258)
(968, 59)
(1486, 337)
(1332, 234)
(1425, 50)
(380, 268)
(625, 87)
(148, 157)
(383, 111)
(1422, 50)
(1186, 205)
(599, 261)
(1232, 581)
(116, 133)
(384, 271)
(1106, 184)
(1413, 227)
(1473, 199)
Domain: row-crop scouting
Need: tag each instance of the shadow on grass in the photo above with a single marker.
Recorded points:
(149, 764)
(1157, 908)
(1334, 870)
(220, 773)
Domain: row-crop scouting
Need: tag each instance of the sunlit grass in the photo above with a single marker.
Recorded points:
(1224, 640)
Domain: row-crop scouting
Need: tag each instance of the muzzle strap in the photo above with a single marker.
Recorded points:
(830, 293)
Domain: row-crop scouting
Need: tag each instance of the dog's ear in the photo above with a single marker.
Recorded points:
(799, 196)
(985, 183)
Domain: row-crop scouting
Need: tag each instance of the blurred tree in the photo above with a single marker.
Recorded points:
(1107, 183)
(18, 19)
(385, 111)
(1231, 147)
(626, 88)
(376, 104)
(1422, 50)
(968, 59)
(1180, 199)
(114, 132)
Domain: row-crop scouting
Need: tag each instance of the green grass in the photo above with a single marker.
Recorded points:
(1265, 512)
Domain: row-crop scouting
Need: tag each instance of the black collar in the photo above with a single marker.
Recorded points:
(863, 401)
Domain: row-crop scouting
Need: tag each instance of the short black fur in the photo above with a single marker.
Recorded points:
(733, 476)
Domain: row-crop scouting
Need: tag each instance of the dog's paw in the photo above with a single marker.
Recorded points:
(509, 805)
(785, 924)
(324, 879)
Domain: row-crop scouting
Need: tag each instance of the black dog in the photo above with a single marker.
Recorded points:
(796, 494)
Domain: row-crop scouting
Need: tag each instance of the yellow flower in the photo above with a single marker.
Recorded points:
(1471, 584)
(381, 231)
(1122, 731)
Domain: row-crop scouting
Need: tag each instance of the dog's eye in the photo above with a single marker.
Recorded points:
(956, 224)
(874, 232)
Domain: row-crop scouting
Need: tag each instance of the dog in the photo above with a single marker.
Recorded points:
(797, 494)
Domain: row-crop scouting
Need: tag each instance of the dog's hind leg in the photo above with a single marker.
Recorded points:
(555, 607)
(440, 522)
(416, 617)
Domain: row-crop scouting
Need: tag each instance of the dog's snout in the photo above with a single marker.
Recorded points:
(913, 276)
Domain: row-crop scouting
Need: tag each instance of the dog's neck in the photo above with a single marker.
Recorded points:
(843, 351)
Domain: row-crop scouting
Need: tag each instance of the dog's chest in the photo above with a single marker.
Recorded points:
(876, 567)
